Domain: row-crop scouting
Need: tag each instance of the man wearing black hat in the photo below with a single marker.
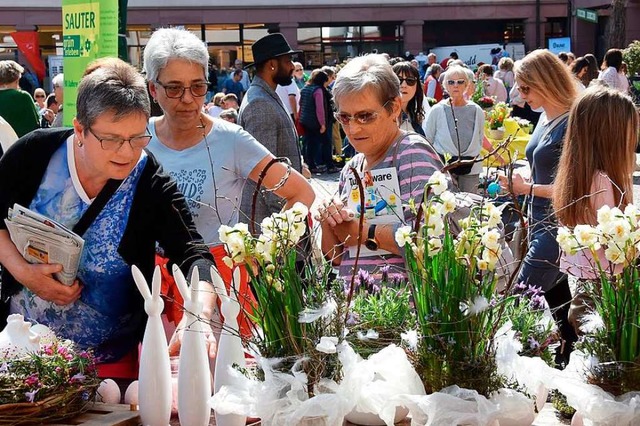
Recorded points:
(263, 115)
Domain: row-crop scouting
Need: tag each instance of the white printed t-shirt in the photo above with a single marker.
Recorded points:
(212, 179)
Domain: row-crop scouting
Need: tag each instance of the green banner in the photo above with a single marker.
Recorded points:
(89, 32)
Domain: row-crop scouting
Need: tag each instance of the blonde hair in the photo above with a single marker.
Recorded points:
(543, 72)
(601, 136)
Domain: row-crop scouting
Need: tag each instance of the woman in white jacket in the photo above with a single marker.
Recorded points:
(457, 132)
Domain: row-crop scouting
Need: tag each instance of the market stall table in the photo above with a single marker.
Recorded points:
(516, 146)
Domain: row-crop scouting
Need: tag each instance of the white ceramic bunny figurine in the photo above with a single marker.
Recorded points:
(154, 381)
(194, 376)
(17, 336)
(230, 346)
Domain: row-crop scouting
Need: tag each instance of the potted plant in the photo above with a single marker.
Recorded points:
(611, 340)
(495, 120)
(460, 317)
(307, 372)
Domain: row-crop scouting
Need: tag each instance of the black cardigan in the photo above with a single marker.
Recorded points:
(159, 213)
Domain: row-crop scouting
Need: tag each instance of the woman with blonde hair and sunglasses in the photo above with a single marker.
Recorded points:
(545, 82)
(455, 127)
(368, 102)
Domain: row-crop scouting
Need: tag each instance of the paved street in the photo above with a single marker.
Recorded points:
(327, 185)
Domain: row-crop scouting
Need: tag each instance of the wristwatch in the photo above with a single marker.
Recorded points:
(371, 243)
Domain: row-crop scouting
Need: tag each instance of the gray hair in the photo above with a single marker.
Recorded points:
(368, 71)
(229, 113)
(58, 80)
(172, 43)
(117, 89)
(10, 71)
(457, 70)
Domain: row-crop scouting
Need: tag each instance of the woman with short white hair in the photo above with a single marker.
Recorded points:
(455, 127)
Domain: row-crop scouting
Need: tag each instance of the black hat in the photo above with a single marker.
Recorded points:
(269, 47)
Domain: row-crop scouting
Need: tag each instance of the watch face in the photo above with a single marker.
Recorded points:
(371, 244)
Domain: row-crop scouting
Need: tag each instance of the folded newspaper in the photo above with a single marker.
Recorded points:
(42, 240)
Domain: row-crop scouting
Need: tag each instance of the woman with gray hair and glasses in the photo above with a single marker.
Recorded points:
(98, 180)
(368, 102)
(210, 158)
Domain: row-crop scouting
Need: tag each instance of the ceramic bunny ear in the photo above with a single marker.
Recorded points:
(181, 282)
(141, 282)
(234, 291)
(195, 283)
(156, 282)
(218, 284)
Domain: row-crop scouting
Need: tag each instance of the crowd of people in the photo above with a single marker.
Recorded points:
(217, 158)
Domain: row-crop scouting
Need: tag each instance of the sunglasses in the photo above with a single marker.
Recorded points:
(362, 118)
(456, 82)
(524, 89)
(40, 96)
(411, 81)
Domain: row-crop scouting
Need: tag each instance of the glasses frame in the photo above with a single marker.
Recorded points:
(459, 82)
(413, 79)
(351, 118)
(184, 89)
(121, 141)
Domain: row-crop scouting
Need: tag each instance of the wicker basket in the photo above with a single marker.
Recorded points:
(56, 407)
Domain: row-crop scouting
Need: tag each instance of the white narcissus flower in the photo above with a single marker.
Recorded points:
(448, 202)
(435, 246)
(567, 241)
(617, 230)
(435, 227)
(299, 210)
(614, 255)
(403, 236)
(491, 239)
(605, 214)
(483, 265)
(631, 211)
(494, 217)
(265, 248)
(587, 236)
(438, 182)
(491, 257)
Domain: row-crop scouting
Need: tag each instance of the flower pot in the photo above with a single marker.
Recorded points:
(371, 419)
(496, 133)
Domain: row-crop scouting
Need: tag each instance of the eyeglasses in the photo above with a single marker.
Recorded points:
(411, 81)
(175, 91)
(114, 144)
(456, 82)
(363, 118)
(524, 89)
(39, 96)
